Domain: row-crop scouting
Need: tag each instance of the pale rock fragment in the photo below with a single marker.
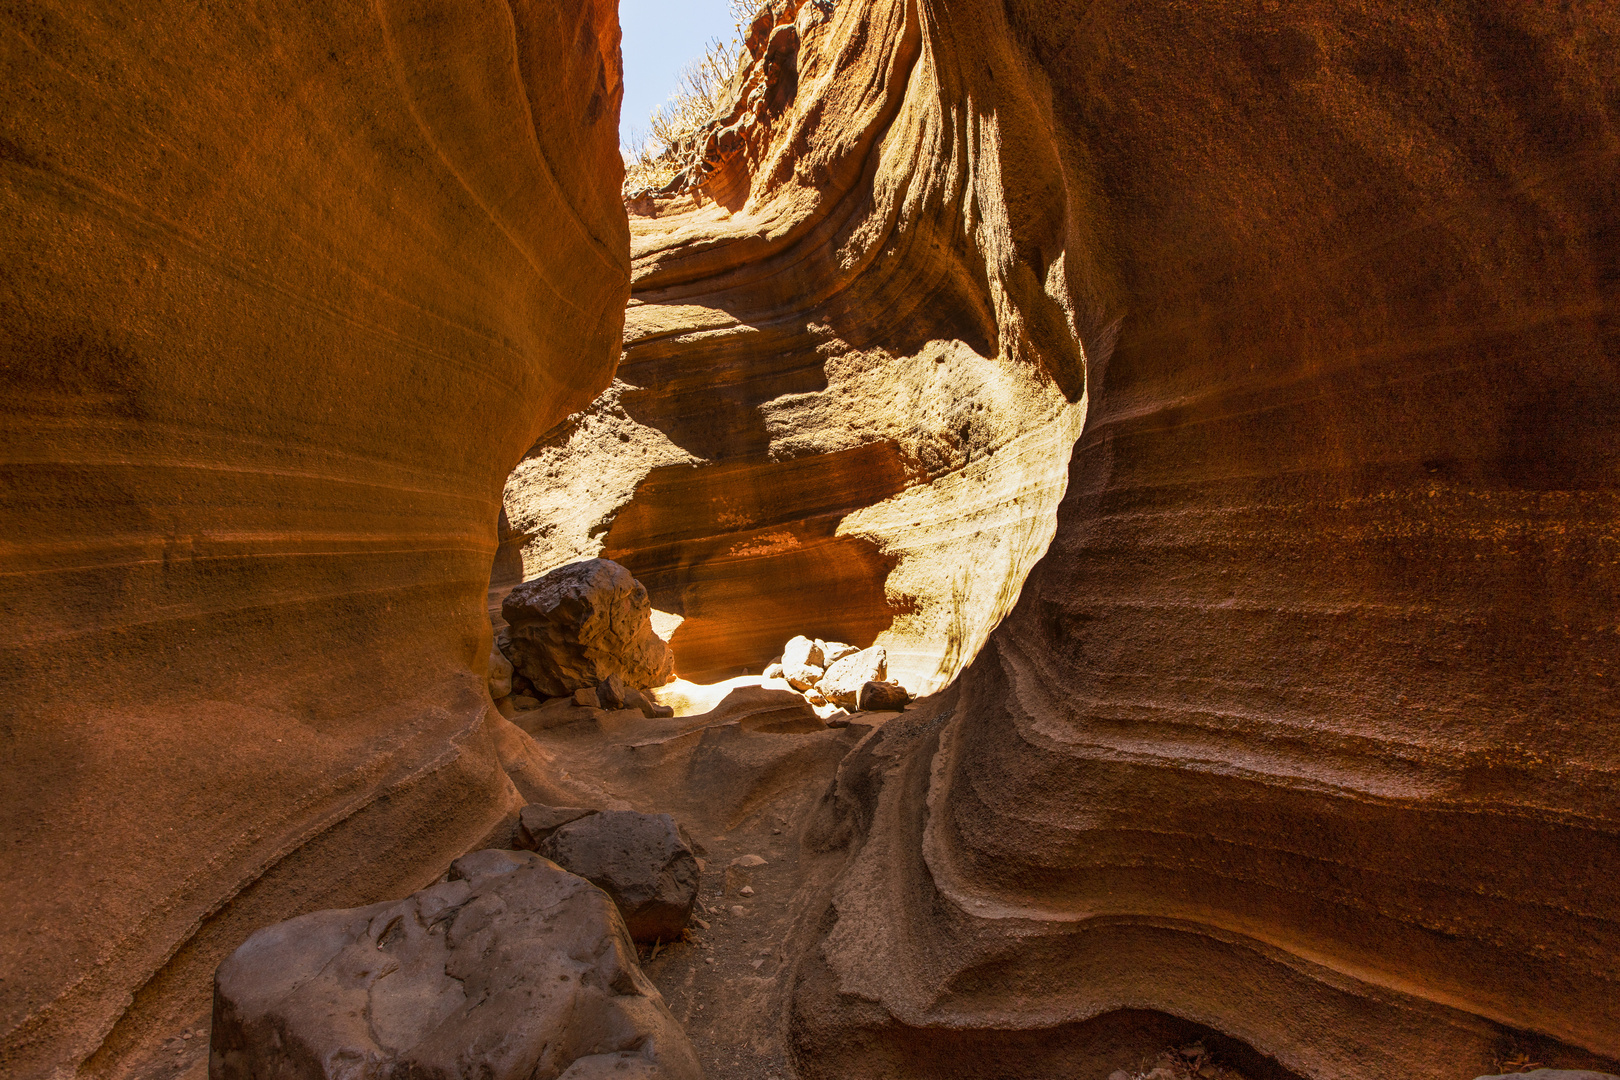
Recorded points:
(802, 652)
(843, 680)
(801, 676)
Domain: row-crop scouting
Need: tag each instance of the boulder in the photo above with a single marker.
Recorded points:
(882, 697)
(537, 822)
(581, 624)
(509, 970)
(802, 652)
(834, 651)
(586, 696)
(640, 860)
(842, 683)
(610, 692)
(801, 676)
(500, 674)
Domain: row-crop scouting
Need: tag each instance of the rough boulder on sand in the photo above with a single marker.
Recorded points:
(582, 624)
(510, 970)
(640, 860)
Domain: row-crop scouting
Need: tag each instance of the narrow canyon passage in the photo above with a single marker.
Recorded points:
(1200, 424)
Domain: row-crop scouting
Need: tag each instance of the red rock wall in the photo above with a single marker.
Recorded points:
(285, 291)
(1305, 727)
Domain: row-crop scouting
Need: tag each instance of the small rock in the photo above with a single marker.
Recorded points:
(610, 692)
(536, 822)
(772, 671)
(834, 651)
(749, 861)
(1119, 1074)
(813, 696)
(802, 652)
(1553, 1074)
(834, 717)
(524, 701)
(500, 674)
(738, 909)
(186, 1035)
(708, 959)
(801, 676)
(843, 681)
(882, 697)
(755, 964)
(635, 699)
(746, 890)
(702, 924)
(639, 860)
(586, 696)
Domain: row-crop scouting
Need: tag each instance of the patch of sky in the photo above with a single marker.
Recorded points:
(661, 39)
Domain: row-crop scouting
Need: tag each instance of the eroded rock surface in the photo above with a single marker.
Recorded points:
(510, 970)
(640, 860)
(581, 626)
(1303, 727)
(288, 290)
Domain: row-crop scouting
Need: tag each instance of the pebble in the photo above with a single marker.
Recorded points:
(702, 924)
(708, 959)
(746, 890)
(738, 909)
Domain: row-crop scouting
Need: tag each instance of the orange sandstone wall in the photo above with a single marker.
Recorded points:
(1305, 728)
(285, 291)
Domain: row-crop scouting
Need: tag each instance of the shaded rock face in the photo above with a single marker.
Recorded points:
(582, 625)
(640, 860)
(1303, 728)
(288, 291)
(510, 970)
(852, 373)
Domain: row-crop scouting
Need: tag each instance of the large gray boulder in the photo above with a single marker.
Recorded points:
(512, 970)
(582, 624)
(640, 860)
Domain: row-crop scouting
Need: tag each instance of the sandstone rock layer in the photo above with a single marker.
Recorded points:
(282, 285)
(1304, 728)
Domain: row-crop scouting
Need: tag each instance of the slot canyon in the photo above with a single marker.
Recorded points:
(1207, 416)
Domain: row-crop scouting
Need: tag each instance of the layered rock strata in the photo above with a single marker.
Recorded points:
(1303, 729)
(853, 364)
(287, 291)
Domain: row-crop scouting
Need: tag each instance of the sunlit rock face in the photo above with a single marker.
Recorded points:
(288, 290)
(1304, 729)
(853, 366)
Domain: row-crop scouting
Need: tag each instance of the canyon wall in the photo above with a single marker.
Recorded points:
(285, 292)
(852, 372)
(1304, 729)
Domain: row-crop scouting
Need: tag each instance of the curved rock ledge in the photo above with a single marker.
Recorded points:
(282, 286)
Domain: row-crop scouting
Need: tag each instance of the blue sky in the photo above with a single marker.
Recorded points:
(660, 38)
